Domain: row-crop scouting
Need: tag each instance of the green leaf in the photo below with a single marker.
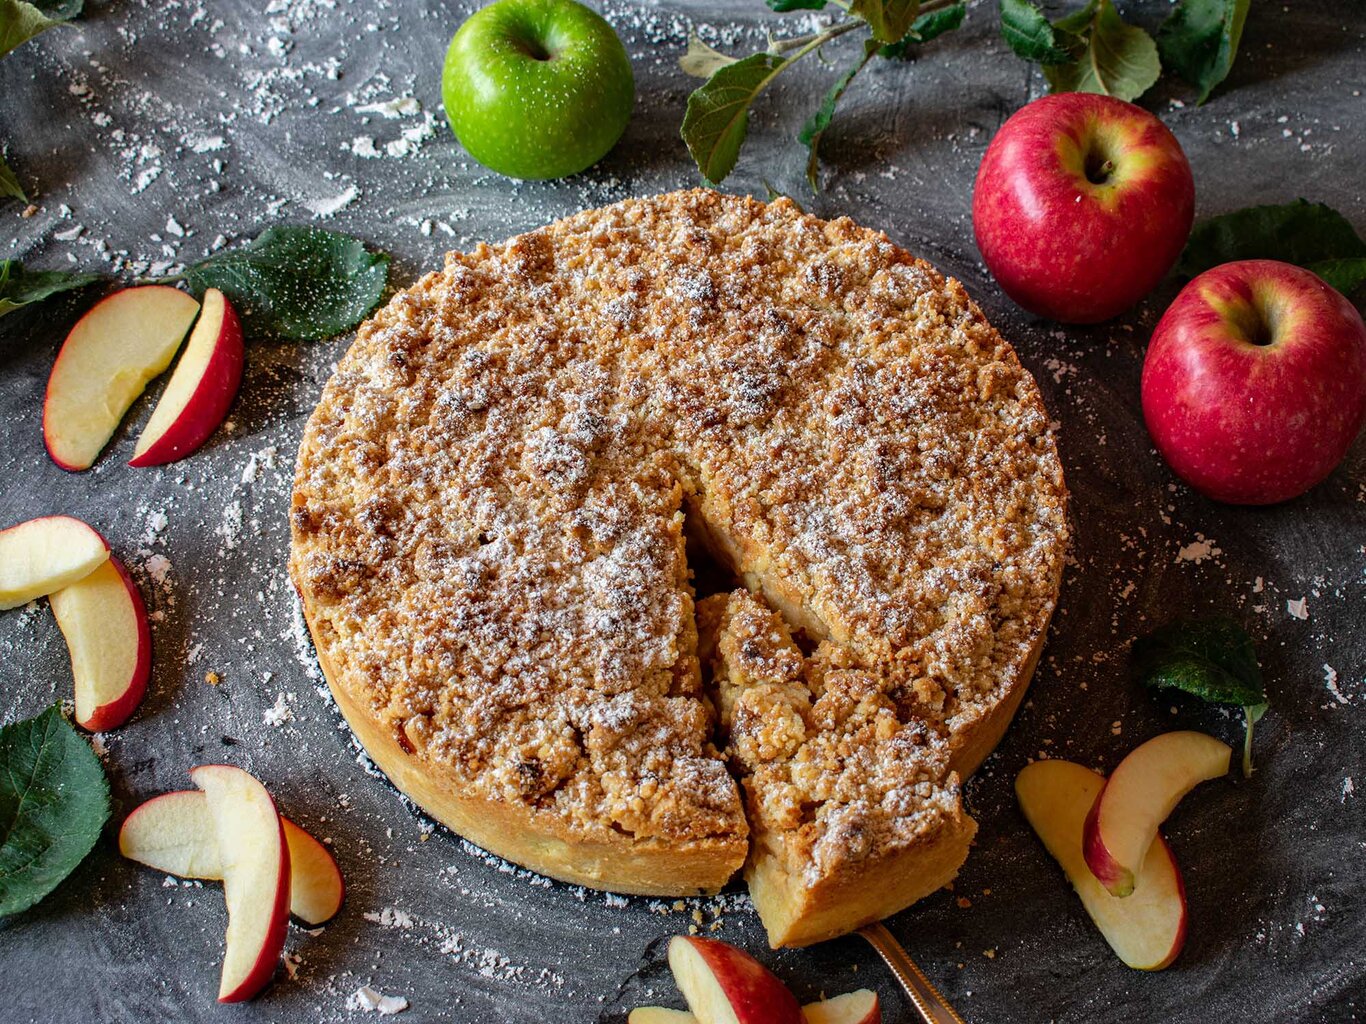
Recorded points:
(1344, 275)
(701, 61)
(1199, 40)
(21, 21)
(717, 118)
(890, 20)
(926, 27)
(9, 184)
(1213, 660)
(1310, 235)
(796, 5)
(1030, 35)
(1117, 59)
(54, 799)
(818, 122)
(19, 287)
(297, 282)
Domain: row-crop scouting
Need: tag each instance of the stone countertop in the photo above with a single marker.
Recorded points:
(149, 128)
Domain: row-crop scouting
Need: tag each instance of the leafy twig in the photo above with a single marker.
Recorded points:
(1095, 50)
(717, 118)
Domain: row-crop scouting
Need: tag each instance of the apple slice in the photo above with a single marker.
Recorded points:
(659, 1015)
(316, 889)
(251, 842)
(47, 554)
(859, 1007)
(105, 362)
(724, 985)
(1140, 794)
(174, 833)
(105, 624)
(1145, 929)
(201, 390)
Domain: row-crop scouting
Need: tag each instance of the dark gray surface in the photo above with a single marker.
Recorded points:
(1273, 866)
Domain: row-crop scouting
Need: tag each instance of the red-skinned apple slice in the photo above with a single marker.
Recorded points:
(859, 1007)
(1138, 797)
(175, 833)
(201, 389)
(251, 842)
(1145, 929)
(316, 891)
(104, 622)
(44, 555)
(105, 363)
(724, 985)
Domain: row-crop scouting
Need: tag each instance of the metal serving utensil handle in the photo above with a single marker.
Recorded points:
(932, 1007)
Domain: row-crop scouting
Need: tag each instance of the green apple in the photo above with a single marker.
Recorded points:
(537, 88)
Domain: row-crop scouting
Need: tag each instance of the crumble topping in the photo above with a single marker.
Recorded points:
(491, 500)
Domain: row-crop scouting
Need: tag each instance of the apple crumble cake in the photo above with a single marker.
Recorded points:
(498, 493)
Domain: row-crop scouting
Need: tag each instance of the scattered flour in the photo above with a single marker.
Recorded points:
(372, 1001)
(332, 205)
(280, 712)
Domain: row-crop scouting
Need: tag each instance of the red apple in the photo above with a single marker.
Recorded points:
(174, 833)
(104, 365)
(44, 555)
(256, 877)
(104, 622)
(201, 389)
(1082, 203)
(725, 985)
(1254, 385)
(1139, 796)
(1145, 929)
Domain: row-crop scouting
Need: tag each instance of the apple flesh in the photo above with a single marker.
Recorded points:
(201, 388)
(104, 622)
(44, 555)
(859, 1007)
(1145, 929)
(316, 890)
(537, 88)
(104, 365)
(256, 873)
(174, 833)
(1254, 384)
(725, 985)
(1082, 203)
(1138, 797)
(659, 1015)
